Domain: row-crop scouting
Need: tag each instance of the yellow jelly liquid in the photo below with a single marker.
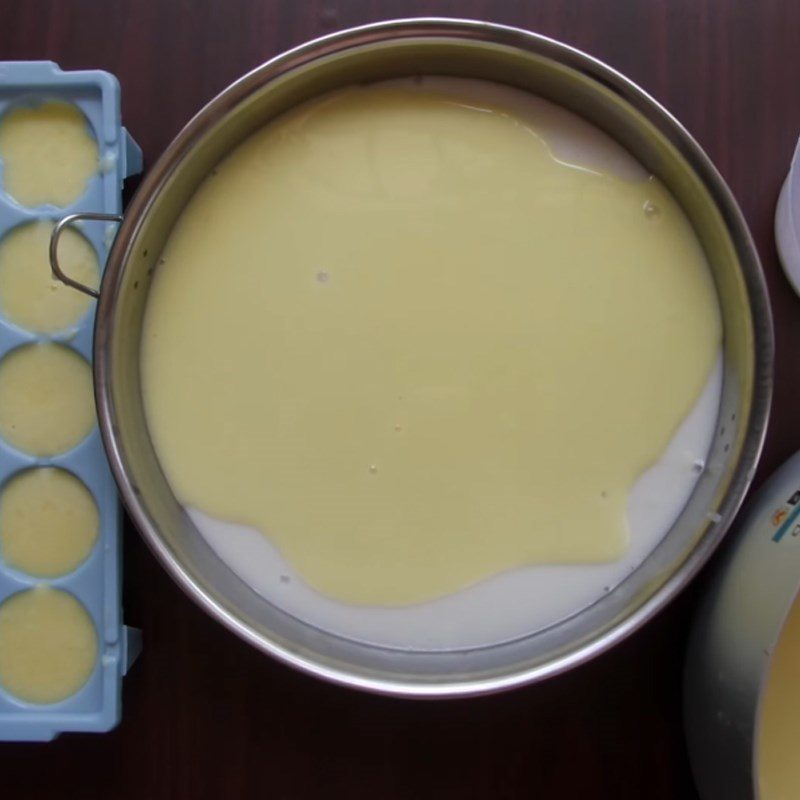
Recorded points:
(46, 399)
(779, 766)
(48, 522)
(48, 645)
(48, 154)
(401, 339)
(30, 296)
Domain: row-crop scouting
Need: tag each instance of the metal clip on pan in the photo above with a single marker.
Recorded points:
(56, 235)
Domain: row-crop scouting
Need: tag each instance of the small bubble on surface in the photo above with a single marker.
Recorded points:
(373, 468)
(651, 210)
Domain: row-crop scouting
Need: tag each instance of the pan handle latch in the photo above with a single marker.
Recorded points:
(56, 235)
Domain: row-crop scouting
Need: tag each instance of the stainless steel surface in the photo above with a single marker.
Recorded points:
(55, 236)
(733, 639)
(468, 49)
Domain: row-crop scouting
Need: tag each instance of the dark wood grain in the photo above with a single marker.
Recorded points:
(205, 716)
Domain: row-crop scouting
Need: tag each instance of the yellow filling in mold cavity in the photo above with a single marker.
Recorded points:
(46, 399)
(48, 645)
(48, 154)
(48, 522)
(401, 339)
(30, 296)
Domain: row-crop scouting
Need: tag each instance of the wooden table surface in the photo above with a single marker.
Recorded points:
(205, 715)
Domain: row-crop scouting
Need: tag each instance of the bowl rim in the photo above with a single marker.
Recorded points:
(459, 30)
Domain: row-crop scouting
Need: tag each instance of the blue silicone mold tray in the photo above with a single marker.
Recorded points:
(96, 582)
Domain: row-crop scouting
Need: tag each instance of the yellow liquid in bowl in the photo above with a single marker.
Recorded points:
(404, 341)
(779, 765)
